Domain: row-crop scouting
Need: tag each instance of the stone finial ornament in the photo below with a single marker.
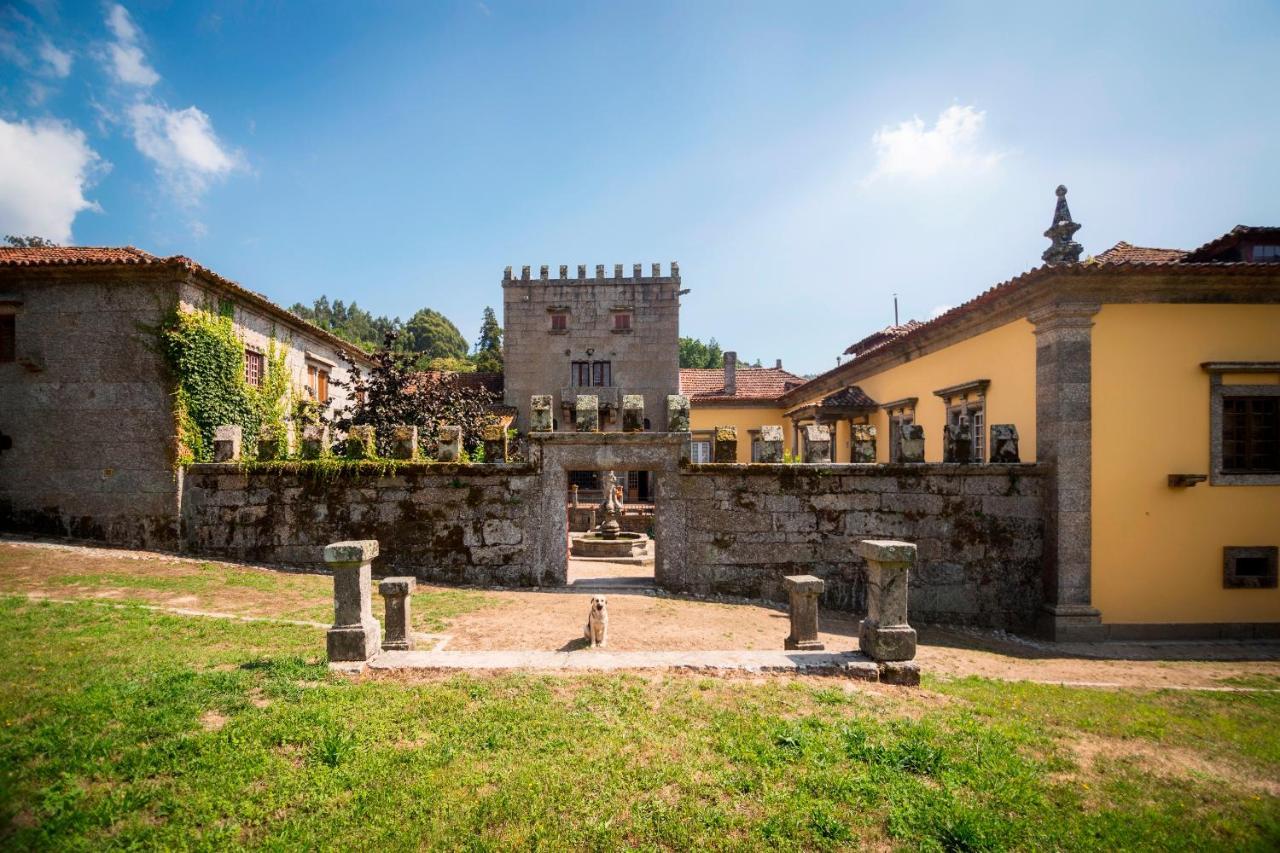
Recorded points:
(911, 443)
(1063, 248)
(403, 443)
(864, 443)
(361, 443)
(540, 413)
(494, 440)
(632, 413)
(315, 441)
(770, 443)
(1004, 443)
(227, 443)
(957, 442)
(817, 443)
(586, 413)
(449, 444)
(677, 413)
(725, 446)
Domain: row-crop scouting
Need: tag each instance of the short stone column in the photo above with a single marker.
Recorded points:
(885, 634)
(449, 443)
(227, 443)
(355, 633)
(586, 413)
(911, 443)
(403, 443)
(804, 591)
(817, 443)
(540, 419)
(397, 595)
(725, 446)
(770, 443)
(361, 443)
(315, 441)
(632, 413)
(494, 440)
(864, 443)
(677, 413)
(573, 495)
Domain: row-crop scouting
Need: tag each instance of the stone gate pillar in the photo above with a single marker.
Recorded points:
(1064, 419)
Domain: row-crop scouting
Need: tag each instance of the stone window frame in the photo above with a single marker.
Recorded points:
(1219, 390)
(979, 446)
(558, 312)
(701, 438)
(1231, 554)
(896, 411)
(255, 366)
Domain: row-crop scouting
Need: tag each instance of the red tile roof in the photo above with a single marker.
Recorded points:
(875, 340)
(1122, 253)
(1218, 244)
(73, 256)
(753, 383)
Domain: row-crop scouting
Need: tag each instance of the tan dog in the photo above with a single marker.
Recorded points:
(597, 630)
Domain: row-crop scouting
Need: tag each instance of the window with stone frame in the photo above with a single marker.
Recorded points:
(580, 374)
(8, 338)
(700, 450)
(254, 367)
(559, 321)
(897, 420)
(622, 321)
(318, 384)
(1250, 434)
(976, 412)
(601, 374)
(1249, 567)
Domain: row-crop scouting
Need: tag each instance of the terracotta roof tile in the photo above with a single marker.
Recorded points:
(1123, 252)
(753, 383)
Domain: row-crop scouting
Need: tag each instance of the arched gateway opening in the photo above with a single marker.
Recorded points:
(558, 453)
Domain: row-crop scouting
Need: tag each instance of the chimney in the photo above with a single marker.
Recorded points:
(777, 365)
(730, 373)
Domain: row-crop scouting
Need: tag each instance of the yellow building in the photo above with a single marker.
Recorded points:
(742, 397)
(1149, 381)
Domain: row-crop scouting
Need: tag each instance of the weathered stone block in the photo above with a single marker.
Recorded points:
(361, 443)
(403, 443)
(725, 446)
(900, 673)
(957, 443)
(355, 634)
(1004, 443)
(494, 440)
(227, 443)
(315, 441)
(885, 634)
(633, 412)
(864, 443)
(770, 444)
(397, 597)
(540, 418)
(911, 443)
(272, 444)
(817, 443)
(449, 443)
(586, 413)
(677, 413)
(804, 591)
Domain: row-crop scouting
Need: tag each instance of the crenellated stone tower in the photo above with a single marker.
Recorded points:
(598, 335)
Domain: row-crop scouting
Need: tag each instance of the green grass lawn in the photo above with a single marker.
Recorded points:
(121, 727)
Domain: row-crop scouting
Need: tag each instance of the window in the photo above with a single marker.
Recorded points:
(896, 422)
(580, 374)
(318, 384)
(1251, 435)
(323, 388)
(1266, 253)
(559, 322)
(1249, 568)
(699, 451)
(622, 321)
(976, 412)
(8, 338)
(601, 374)
(254, 368)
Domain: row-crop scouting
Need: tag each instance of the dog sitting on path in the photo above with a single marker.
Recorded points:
(597, 630)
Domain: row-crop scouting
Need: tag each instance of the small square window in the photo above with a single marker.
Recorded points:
(1249, 567)
(559, 322)
(254, 368)
(700, 451)
(622, 322)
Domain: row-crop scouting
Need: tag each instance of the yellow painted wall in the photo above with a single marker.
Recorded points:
(1006, 356)
(1157, 551)
(745, 418)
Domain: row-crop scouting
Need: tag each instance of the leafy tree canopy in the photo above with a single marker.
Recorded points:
(29, 241)
(349, 322)
(694, 353)
(432, 335)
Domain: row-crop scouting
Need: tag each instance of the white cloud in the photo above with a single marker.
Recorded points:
(183, 146)
(126, 61)
(121, 24)
(45, 168)
(913, 151)
(59, 61)
(939, 310)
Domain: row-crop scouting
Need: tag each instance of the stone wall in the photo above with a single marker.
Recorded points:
(978, 528)
(464, 524)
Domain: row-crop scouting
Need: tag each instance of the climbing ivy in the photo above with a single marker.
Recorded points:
(207, 358)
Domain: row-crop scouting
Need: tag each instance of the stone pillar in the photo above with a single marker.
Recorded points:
(633, 412)
(1004, 444)
(355, 633)
(804, 591)
(817, 443)
(677, 413)
(315, 441)
(227, 443)
(770, 443)
(360, 443)
(586, 413)
(573, 495)
(540, 419)
(864, 443)
(725, 446)
(885, 634)
(449, 444)
(494, 439)
(404, 442)
(1064, 418)
(396, 594)
(911, 443)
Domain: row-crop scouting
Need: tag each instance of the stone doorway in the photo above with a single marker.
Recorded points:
(558, 454)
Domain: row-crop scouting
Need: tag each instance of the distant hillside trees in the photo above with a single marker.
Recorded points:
(694, 353)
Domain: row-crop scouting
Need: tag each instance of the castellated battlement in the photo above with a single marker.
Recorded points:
(637, 274)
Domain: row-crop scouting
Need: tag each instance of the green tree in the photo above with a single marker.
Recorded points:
(694, 353)
(19, 241)
(432, 335)
(488, 355)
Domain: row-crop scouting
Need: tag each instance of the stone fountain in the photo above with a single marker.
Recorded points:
(608, 539)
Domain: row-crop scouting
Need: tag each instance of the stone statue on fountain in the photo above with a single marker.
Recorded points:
(610, 508)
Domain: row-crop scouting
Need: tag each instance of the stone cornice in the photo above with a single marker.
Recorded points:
(978, 386)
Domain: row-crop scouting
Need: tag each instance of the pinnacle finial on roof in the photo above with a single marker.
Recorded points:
(1063, 248)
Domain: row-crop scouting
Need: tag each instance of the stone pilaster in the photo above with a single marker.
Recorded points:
(1064, 422)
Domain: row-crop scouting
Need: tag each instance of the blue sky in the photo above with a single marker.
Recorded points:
(802, 161)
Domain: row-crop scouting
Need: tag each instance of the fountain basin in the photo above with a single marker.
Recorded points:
(621, 545)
